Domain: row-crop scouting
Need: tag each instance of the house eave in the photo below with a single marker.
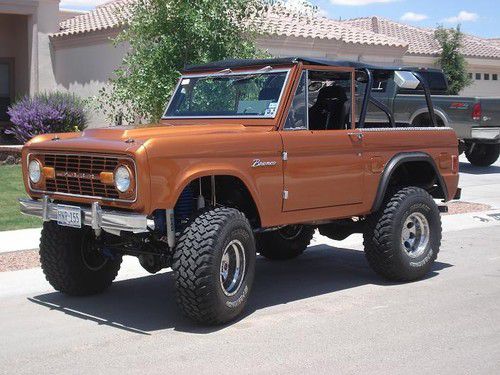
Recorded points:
(60, 41)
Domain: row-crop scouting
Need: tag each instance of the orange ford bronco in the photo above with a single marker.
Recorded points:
(251, 157)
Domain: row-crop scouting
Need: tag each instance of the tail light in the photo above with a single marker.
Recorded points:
(476, 112)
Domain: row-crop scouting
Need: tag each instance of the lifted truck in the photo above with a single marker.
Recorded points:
(476, 120)
(250, 157)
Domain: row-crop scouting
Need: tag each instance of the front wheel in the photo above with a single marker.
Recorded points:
(482, 154)
(214, 266)
(72, 262)
(402, 239)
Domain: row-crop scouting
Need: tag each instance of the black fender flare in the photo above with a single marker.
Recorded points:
(394, 163)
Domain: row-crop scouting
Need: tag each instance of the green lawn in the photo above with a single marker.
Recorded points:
(12, 188)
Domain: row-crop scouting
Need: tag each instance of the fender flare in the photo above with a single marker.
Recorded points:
(439, 114)
(393, 164)
(190, 177)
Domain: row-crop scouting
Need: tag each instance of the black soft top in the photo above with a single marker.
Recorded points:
(244, 63)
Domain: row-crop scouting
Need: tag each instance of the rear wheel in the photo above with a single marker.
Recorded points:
(402, 239)
(214, 266)
(72, 262)
(286, 243)
(482, 154)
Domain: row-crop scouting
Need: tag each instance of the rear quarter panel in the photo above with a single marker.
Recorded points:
(381, 145)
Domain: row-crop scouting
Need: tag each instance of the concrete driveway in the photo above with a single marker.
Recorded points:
(325, 312)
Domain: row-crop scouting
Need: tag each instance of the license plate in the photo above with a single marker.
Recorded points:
(69, 216)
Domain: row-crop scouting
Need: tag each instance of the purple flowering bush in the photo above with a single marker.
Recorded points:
(46, 113)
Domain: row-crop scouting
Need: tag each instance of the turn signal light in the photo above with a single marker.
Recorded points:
(107, 178)
(49, 173)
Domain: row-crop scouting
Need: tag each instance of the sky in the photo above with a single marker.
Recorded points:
(477, 17)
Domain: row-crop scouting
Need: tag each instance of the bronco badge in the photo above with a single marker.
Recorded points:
(259, 163)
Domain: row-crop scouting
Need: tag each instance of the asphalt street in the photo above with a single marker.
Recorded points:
(325, 312)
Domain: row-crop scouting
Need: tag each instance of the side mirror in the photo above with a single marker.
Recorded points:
(406, 80)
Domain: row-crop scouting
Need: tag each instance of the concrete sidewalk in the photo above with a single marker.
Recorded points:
(22, 239)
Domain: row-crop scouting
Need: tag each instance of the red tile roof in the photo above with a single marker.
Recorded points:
(278, 21)
(107, 16)
(421, 41)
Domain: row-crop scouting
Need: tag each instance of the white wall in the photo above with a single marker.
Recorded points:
(84, 70)
(329, 49)
(47, 22)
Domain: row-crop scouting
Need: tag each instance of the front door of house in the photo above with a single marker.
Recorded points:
(6, 88)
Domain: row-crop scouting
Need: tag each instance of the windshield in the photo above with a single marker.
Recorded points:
(250, 94)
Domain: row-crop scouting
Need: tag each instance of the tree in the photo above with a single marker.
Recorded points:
(451, 59)
(166, 35)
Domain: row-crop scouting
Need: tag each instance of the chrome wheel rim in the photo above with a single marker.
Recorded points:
(290, 232)
(232, 268)
(415, 234)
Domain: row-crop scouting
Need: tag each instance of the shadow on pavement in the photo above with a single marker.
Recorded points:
(471, 169)
(147, 304)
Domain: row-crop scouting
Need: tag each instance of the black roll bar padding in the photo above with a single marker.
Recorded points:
(384, 109)
(366, 98)
(428, 99)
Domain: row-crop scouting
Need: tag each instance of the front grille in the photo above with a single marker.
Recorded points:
(79, 175)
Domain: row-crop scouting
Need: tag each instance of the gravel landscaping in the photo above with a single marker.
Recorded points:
(459, 207)
(19, 260)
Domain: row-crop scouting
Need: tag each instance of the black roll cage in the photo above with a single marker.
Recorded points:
(367, 98)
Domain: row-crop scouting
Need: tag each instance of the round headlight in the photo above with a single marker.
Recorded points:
(122, 179)
(35, 171)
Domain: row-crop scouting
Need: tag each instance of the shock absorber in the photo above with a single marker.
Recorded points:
(184, 207)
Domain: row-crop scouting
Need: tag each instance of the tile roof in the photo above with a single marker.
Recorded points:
(280, 21)
(277, 21)
(495, 41)
(421, 41)
(107, 16)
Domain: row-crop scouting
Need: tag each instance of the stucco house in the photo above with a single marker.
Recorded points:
(44, 48)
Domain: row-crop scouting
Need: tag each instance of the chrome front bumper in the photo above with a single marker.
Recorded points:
(96, 217)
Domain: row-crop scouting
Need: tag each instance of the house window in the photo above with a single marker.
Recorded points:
(478, 76)
(486, 77)
(494, 77)
(470, 76)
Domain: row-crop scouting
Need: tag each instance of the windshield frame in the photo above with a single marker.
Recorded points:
(226, 74)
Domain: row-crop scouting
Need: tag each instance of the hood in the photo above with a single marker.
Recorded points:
(128, 138)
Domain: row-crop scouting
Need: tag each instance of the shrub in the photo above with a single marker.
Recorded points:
(46, 113)
(451, 60)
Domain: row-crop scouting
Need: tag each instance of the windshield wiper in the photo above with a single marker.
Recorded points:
(219, 73)
(257, 73)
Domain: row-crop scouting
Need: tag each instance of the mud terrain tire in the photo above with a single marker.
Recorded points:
(211, 248)
(70, 262)
(402, 239)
